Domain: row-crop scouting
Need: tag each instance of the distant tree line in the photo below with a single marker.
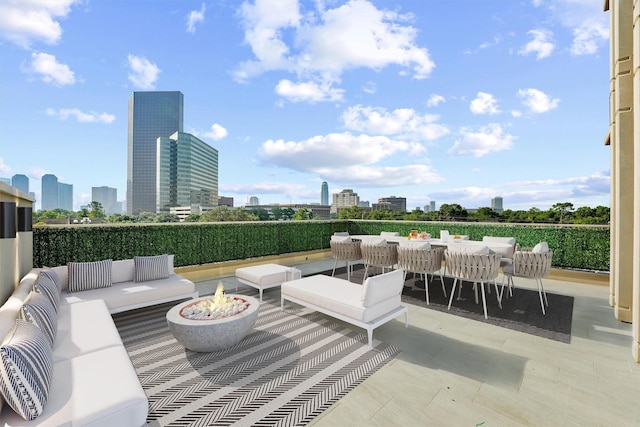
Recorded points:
(559, 213)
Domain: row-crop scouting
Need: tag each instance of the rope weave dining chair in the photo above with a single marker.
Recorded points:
(530, 265)
(346, 250)
(378, 254)
(476, 268)
(422, 261)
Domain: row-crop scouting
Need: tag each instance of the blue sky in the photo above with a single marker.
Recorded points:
(455, 101)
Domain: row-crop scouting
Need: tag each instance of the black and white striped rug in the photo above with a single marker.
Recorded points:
(292, 367)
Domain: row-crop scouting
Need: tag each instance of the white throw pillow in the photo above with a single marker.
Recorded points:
(26, 368)
(541, 247)
(469, 249)
(341, 239)
(151, 267)
(374, 241)
(507, 240)
(89, 275)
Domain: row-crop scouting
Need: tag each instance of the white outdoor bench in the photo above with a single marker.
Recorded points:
(266, 276)
(368, 306)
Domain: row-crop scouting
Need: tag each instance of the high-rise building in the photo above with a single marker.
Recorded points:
(65, 196)
(431, 207)
(151, 115)
(49, 192)
(496, 204)
(324, 194)
(21, 182)
(344, 199)
(394, 203)
(108, 198)
(253, 201)
(187, 172)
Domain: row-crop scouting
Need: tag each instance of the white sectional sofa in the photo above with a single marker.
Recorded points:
(368, 306)
(91, 378)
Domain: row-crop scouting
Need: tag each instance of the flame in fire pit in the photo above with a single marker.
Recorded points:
(219, 306)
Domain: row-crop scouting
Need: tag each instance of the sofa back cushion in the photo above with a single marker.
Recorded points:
(26, 369)
(89, 275)
(122, 271)
(45, 285)
(151, 267)
(382, 287)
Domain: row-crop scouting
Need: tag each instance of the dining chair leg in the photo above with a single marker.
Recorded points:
(366, 269)
(443, 288)
(484, 300)
(334, 268)
(348, 272)
(540, 291)
(498, 294)
(453, 292)
(475, 291)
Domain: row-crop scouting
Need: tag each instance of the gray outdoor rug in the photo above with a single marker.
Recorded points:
(292, 367)
(521, 312)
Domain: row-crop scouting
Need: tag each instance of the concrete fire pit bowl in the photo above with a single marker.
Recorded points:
(206, 335)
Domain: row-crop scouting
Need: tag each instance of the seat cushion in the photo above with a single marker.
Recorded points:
(100, 389)
(263, 275)
(541, 247)
(376, 289)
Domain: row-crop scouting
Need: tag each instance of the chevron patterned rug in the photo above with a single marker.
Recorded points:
(292, 367)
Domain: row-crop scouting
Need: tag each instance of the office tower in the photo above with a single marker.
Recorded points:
(394, 203)
(187, 172)
(344, 199)
(225, 201)
(108, 198)
(49, 192)
(151, 115)
(432, 206)
(324, 194)
(65, 196)
(21, 182)
(496, 204)
(253, 201)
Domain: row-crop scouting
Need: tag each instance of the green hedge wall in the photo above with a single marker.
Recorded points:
(581, 247)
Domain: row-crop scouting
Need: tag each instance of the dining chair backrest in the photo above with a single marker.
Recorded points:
(417, 260)
(347, 250)
(378, 254)
(533, 265)
(472, 267)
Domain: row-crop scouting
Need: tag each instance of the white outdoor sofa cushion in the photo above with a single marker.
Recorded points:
(367, 306)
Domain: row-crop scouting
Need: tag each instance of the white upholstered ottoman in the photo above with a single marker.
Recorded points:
(266, 276)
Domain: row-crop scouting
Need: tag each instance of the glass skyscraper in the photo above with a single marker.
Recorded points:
(21, 182)
(151, 115)
(324, 194)
(49, 192)
(187, 172)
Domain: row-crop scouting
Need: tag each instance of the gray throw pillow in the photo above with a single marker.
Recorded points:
(89, 275)
(151, 267)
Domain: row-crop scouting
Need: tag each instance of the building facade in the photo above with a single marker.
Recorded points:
(496, 204)
(324, 193)
(151, 115)
(623, 140)
(344, 199)
(392, 203)
(187, 172)
(65, 196)
(49, 192)
(108, 198)
(21, 182)
(253, 201)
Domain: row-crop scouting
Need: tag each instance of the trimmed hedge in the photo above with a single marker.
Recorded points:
(574, 246)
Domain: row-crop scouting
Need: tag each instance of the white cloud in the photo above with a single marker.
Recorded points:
(217, 132)
(537, 101)
(489, 139)
(378, 177)
(24, 22)
(81, 116)
(194, 17)
(435, 100)
(308, 91)
(322, 44)
(50, 70)
(143, 74)
(484, 103)
(263, 188)
(402, 123)
(542, 44)
(370, 88)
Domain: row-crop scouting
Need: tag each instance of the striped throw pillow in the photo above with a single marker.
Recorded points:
(26, 368)
(45, 285)
(151, 267)
(84, 276)
(39, 312)
(53, 276)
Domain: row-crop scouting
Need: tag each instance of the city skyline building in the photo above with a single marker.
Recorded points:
(21, 182)
(253, 201)
(324, 193)
(393, 203)
(151, 115)
(49, 192)
(65, 196)
(108, 198)
(187, 172)
(344, 199)
(496, 204)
